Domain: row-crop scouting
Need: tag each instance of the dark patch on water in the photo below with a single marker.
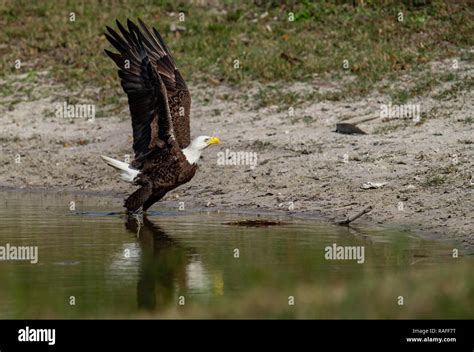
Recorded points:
(256, 223)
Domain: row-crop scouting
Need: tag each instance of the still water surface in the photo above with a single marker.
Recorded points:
(95, 263)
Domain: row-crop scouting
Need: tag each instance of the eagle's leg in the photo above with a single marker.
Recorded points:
(136, 200)
(157, 195)
(139, 220)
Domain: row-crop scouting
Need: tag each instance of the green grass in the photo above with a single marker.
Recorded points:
(465, 84)
(269, 47)
(426, 82)
(388, 128)
(276, 95)
(434, 180)
(261, 145)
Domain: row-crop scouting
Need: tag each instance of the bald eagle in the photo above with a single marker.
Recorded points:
(159, 102)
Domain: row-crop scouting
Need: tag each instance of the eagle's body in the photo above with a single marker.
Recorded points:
(160, 174)
(160, 104)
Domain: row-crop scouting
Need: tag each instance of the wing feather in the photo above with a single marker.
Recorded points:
(146, 91)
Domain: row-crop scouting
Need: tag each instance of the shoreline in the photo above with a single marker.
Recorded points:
(353, 228)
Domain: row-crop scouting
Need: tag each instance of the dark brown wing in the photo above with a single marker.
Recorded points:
(146, 91)
(179, 99)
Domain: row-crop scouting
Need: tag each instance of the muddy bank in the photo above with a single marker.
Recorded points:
(302, 165)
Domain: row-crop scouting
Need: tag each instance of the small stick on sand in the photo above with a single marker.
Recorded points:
(354, 217)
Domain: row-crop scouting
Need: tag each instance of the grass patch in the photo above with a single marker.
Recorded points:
(388, 128)
(268, 46)
(425, 83)
(306, 119)
(276, 95)
(466, 84)
(434, 181)
(261, 145)
(468, 120)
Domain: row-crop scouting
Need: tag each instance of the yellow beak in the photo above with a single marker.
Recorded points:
(213, 140)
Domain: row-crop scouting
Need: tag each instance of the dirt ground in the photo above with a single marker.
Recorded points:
(304, 167)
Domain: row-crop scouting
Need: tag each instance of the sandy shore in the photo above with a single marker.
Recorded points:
(302, 165)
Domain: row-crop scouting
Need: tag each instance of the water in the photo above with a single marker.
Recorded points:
(95, 263)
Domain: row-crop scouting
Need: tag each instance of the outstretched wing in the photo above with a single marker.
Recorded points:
(179, 99)
(146, 91)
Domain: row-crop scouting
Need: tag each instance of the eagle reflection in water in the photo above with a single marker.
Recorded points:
(165, 266)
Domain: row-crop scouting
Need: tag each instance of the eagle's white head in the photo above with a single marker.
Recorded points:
(193, 151)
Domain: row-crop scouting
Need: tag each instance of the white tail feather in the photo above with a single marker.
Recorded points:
(127, 173)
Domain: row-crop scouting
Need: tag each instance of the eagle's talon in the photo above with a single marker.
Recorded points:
(138, 216)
